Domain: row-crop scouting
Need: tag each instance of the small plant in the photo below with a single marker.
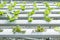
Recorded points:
(1, 30)
(49, 8)
(23, 6)
(1, 13)
(1, 5)
(30, 19)
(10, 8)
(39, 29)
(4, 2)
(46, 12)
(16, 12)
(48, 19)
(14, 4)
(31, 13)
(35, 6)
(57, 4)
(11, 19)
(17, 29)
(46, 4)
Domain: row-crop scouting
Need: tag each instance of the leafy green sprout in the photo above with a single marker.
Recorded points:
(17, 29)
(16, 12)
(46, 12)
(35, 6)
(39, 29)
(57, 4)
(1, 12)
(10, 8)
(23, 6)
(49, 8)
(11, 19)
(31, 13)
(48, 19)
(13, 4)
(1, 5)
(30, 19)
(46, 4)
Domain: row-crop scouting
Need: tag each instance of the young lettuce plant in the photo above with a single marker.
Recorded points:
(16, 29)
(46, 4)
(23, 6)
(1, 5)
(14, 4)
(35, 6)
(11, 19)
(49, 8)
(57, 4)
(46, 12)
(10, 8)
(30, 19)
(39, 29)
(31, 13)
(4, 2)
(16, 12)
(1, 13)
(48, 19)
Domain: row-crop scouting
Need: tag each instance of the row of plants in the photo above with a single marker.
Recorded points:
(18, 29)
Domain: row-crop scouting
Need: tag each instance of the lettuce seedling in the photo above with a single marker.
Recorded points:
(16, 12)
(31, 13)
(46, 12)
(10, 8)
(49, 8)
(39, 29)
(30, 19)
(34, 4)
(14, 4)
(1, 5)
(57, 4)
(46, 4)
(23, 6)
(48, 19)
(17, 29)
(4, 2)
(1, 13)
(11, 19)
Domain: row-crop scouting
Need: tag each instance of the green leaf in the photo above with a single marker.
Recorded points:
(4, 2)
(10, 8)
(48, 19)
(22, 7)
(46, 12)
(34, 4)
(46, 4)
(31, 13)
(1, 5)
(17, 12)
(1, 12)
(30, 19)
